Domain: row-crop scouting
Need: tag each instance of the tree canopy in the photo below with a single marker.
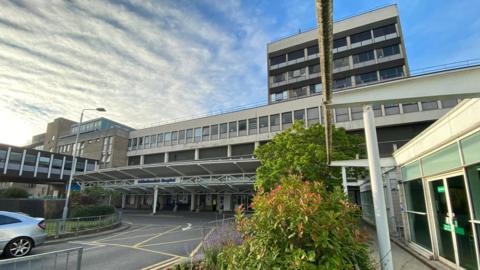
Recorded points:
(301, 151)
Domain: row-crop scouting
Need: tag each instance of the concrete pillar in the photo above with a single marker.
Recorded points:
(192, 202)
(155, 198)
(142, 159)
(381, 218)
(344, 181)
(124, 199)
(257, 144)
(227, 202)
(165, 157)
(197, 154)
(229, 150)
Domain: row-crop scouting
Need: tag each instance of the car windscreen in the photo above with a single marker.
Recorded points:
(4, 220)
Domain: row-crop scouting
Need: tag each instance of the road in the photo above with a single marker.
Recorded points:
(150, 241)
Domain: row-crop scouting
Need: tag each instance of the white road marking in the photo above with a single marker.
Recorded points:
(189, 226)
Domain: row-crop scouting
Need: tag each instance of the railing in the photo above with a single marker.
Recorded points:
(61, 259)
(444, 67)
(73, 226)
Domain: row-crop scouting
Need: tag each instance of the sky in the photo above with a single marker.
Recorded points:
(152, 61)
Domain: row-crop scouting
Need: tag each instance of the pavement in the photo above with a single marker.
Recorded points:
(151, 242)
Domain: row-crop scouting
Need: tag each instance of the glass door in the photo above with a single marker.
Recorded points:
(451, 218)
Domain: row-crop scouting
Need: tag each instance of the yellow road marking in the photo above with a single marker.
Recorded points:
(158, 235)
(200, 245)
(172, 242)
(159, 263)
(163, 266)
(109, 237)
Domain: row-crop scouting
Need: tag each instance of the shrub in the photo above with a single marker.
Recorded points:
(92, 210)
(299, 225)
(14, 192)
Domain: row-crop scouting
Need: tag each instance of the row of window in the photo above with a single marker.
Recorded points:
(295, 74)
(337, 44)
(369, 77)
(313, 89)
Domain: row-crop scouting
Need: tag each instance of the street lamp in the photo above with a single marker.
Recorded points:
(74, 162)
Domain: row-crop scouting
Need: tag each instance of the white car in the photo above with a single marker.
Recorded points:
(20, 233)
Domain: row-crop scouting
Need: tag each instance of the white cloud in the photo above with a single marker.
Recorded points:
(145, 62)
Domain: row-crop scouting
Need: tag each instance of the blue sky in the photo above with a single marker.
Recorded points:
(151, 61)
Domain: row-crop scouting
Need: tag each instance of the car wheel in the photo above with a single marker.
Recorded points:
(19, 247)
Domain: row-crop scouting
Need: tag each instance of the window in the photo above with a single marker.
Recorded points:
(252, 126)
(286, 120)
(197, 134)
(279, 96)
(134, 143)
(129, 144)
(206, 133)
(232, 129)
(214, 132)
(242, 127)
(388, 51)
(313, 116)
(429, 105)
(357, 113)
(263, 124)
(314, 69)
(168, 138)
(296, 55)
(147, 142)
(181, 136)
(377, 110)
(4, 220)
(339, 42)
(363, 57)
(366, 78)
(416, 213)
(391, 73)
(360, 37)
(274, 122)
(315, 88)
(278, 78)
(391, 109)
(296, 73)
(312, 50)
(153, 140)
(384, 30)
(341, 62)
(299, 115)
(140, 143)
(342, 83)
(189, 135)
(174, 137)
(223, 130)
(298, 92)
(449, 103)
(278, 59)
(341, 115)
(107, 149)
(410, 107)
(160, 139)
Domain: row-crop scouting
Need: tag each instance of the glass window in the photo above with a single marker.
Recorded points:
(189, 135)
(391, 73)
(263, 124)
(252, 126)
(174, 137)
(341, 115)
(295, 55)
(440, 161)
(429, 105)
(314, 69)
(206, 133)
(223, 130)
(160, 139)
(299, 115)
(198, 134)
(473, 173)
(411, 171)
(296, 73)
(363, 57)
(377, 110)
(279, 96)
(242, 127)
(366, 78)
(388, 51)
(315, 88)
(391, 109)
(357, 113)
(214, 132)
(449, 103)
(4, 220)
(471, 148)
(342, 83)
(312, 49)
(181, 136)
(366, 35)
(168, 138)
(232, 129)
(340, 42)
(134, 143)
(298, 92)
(278, 77)
(384, 30)
(286, 120)
(416, 211)
(153, 140)
(312, 116)
(278, 59)
(410, 107)
(274, 122)
(147, 142)
(341, 62)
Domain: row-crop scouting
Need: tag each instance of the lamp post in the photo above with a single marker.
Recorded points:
(74, 162)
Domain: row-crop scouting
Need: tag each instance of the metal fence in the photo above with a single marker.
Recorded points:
(73, 226)
(70, 259)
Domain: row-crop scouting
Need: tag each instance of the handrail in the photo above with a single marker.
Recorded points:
(36, 257)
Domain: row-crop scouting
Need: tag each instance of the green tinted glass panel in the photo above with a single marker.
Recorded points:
(471, 148)
(411, 171)
(414, 195)
(441, 161)
(473, 175)
(419, 232)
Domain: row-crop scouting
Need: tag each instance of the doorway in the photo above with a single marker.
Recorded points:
(451, 219)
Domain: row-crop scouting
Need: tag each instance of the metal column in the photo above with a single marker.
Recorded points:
(155, 198)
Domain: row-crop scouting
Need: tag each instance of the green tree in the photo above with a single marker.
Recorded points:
(301, 151)
(14, 192)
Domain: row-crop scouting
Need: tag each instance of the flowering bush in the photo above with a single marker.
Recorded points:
(299, 225)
